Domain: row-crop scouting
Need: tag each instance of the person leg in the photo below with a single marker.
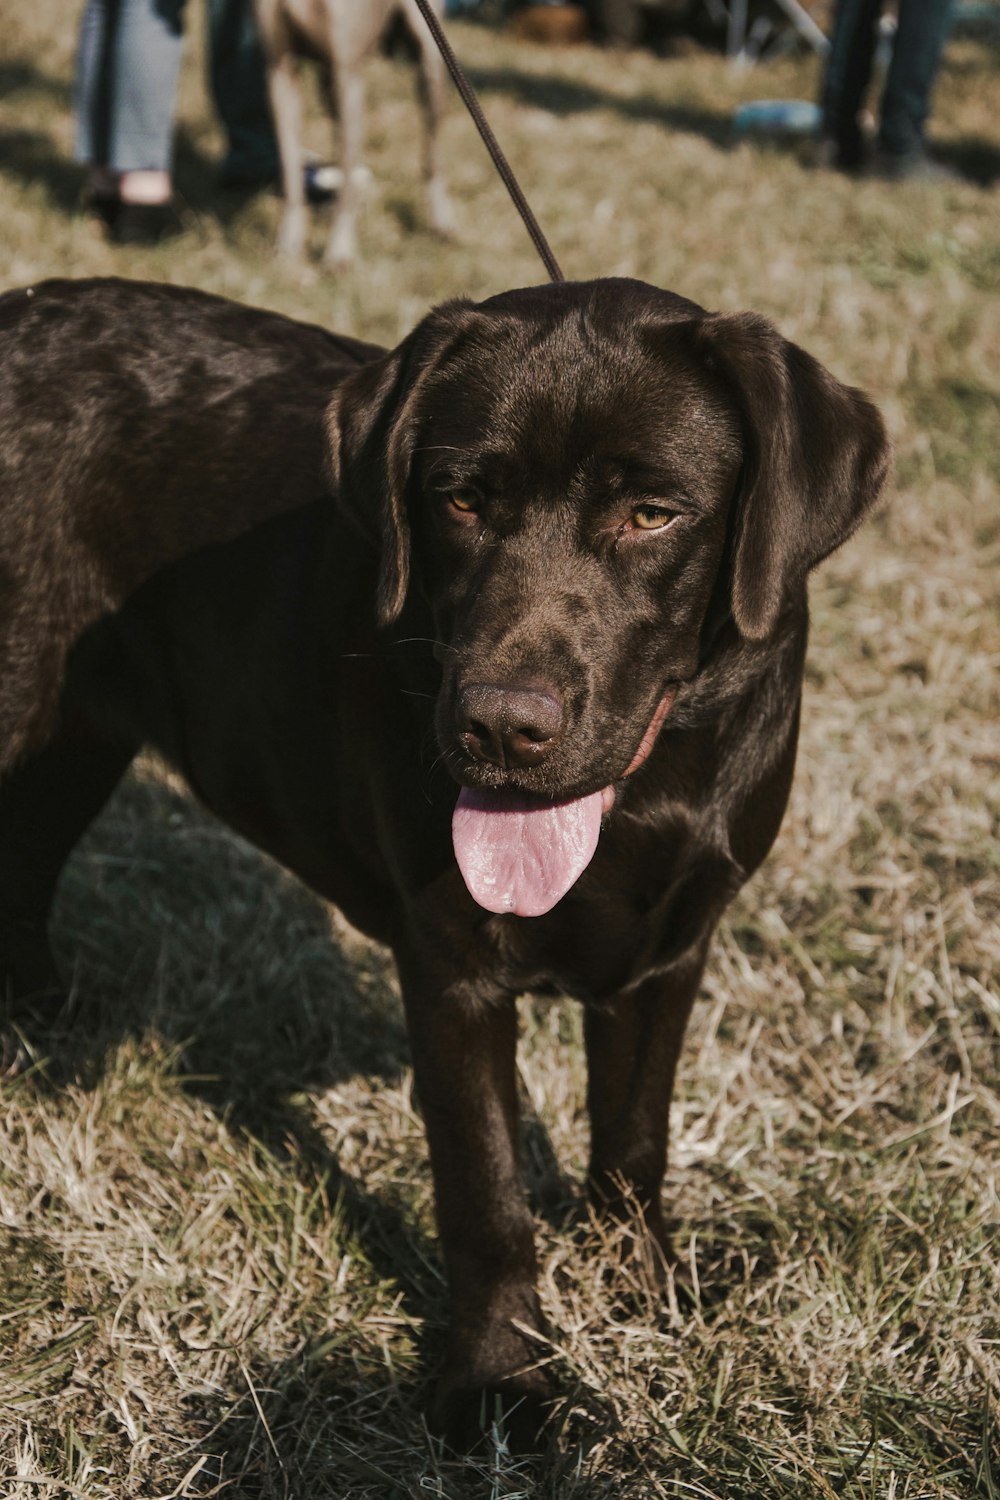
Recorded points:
(916, 55)
(432, 83)
(127, 67)
(91, 90)
(147, 62)
(239, 89)
(847, 76)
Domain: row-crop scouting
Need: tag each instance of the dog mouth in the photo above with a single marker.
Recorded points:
(520, 853)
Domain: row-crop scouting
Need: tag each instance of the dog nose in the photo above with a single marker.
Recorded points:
(509, 725)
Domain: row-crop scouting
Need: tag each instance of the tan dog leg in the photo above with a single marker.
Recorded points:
(432, 84)
(286, 107)
(349, 92)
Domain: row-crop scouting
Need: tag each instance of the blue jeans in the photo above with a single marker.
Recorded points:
(128, 59)
(236, 73)
(916, 55)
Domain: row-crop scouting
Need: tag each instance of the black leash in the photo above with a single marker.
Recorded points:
(500, 161)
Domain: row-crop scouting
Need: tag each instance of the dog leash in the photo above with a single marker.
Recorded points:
(490, 141)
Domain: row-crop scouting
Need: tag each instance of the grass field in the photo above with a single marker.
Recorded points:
(218, 1269)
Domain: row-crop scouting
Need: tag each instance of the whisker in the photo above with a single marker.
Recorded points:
(425, 779)
(426, 640)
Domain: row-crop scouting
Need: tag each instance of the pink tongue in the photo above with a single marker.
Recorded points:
(521, 854)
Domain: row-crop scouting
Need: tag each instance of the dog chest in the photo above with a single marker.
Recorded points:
(608, 936)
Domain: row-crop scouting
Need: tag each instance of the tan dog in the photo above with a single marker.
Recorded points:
(343, 33)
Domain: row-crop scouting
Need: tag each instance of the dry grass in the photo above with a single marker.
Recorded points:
(219, 1273)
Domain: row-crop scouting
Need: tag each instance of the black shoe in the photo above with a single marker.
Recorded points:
(320, 178)
(144, 223)
(235, 177)
(104, 206)
(322, 181)
(911, 166)
(843, 147)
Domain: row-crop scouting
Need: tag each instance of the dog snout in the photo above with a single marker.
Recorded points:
(510, 725)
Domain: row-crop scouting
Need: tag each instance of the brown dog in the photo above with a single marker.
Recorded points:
(566, 540)
(343, 33)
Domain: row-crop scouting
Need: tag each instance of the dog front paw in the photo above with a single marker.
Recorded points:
(342, 245)
(293, 232)
(633, 1232)
(494, 1380)
(440, 210)
(468, 1408)
(28, 975)
(31, 995)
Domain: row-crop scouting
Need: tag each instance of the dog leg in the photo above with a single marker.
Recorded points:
(349, 91)
(286, 107)
(432, 84)
(464, 1064)
(45, 805)
(632, 1050)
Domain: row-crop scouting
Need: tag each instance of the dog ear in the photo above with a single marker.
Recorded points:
(372, 423)
(816, 456)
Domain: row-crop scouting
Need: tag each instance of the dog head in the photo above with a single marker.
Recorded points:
(577, 479)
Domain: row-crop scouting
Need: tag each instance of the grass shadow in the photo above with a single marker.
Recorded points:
(196, 176)
(976, 159)
(31, 157)
(565, 98)
(18, 75)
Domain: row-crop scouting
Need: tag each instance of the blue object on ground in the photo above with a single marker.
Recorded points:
(777, 117)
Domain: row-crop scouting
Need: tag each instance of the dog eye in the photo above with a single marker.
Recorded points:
(464, 501)
(651, 517)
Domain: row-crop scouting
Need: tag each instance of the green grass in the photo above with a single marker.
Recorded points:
(218, 1266)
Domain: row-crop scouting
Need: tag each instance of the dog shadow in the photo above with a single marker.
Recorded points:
(167, 919)
(167, 925)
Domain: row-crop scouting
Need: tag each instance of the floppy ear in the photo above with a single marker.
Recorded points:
(816, 456)
(372, 423)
